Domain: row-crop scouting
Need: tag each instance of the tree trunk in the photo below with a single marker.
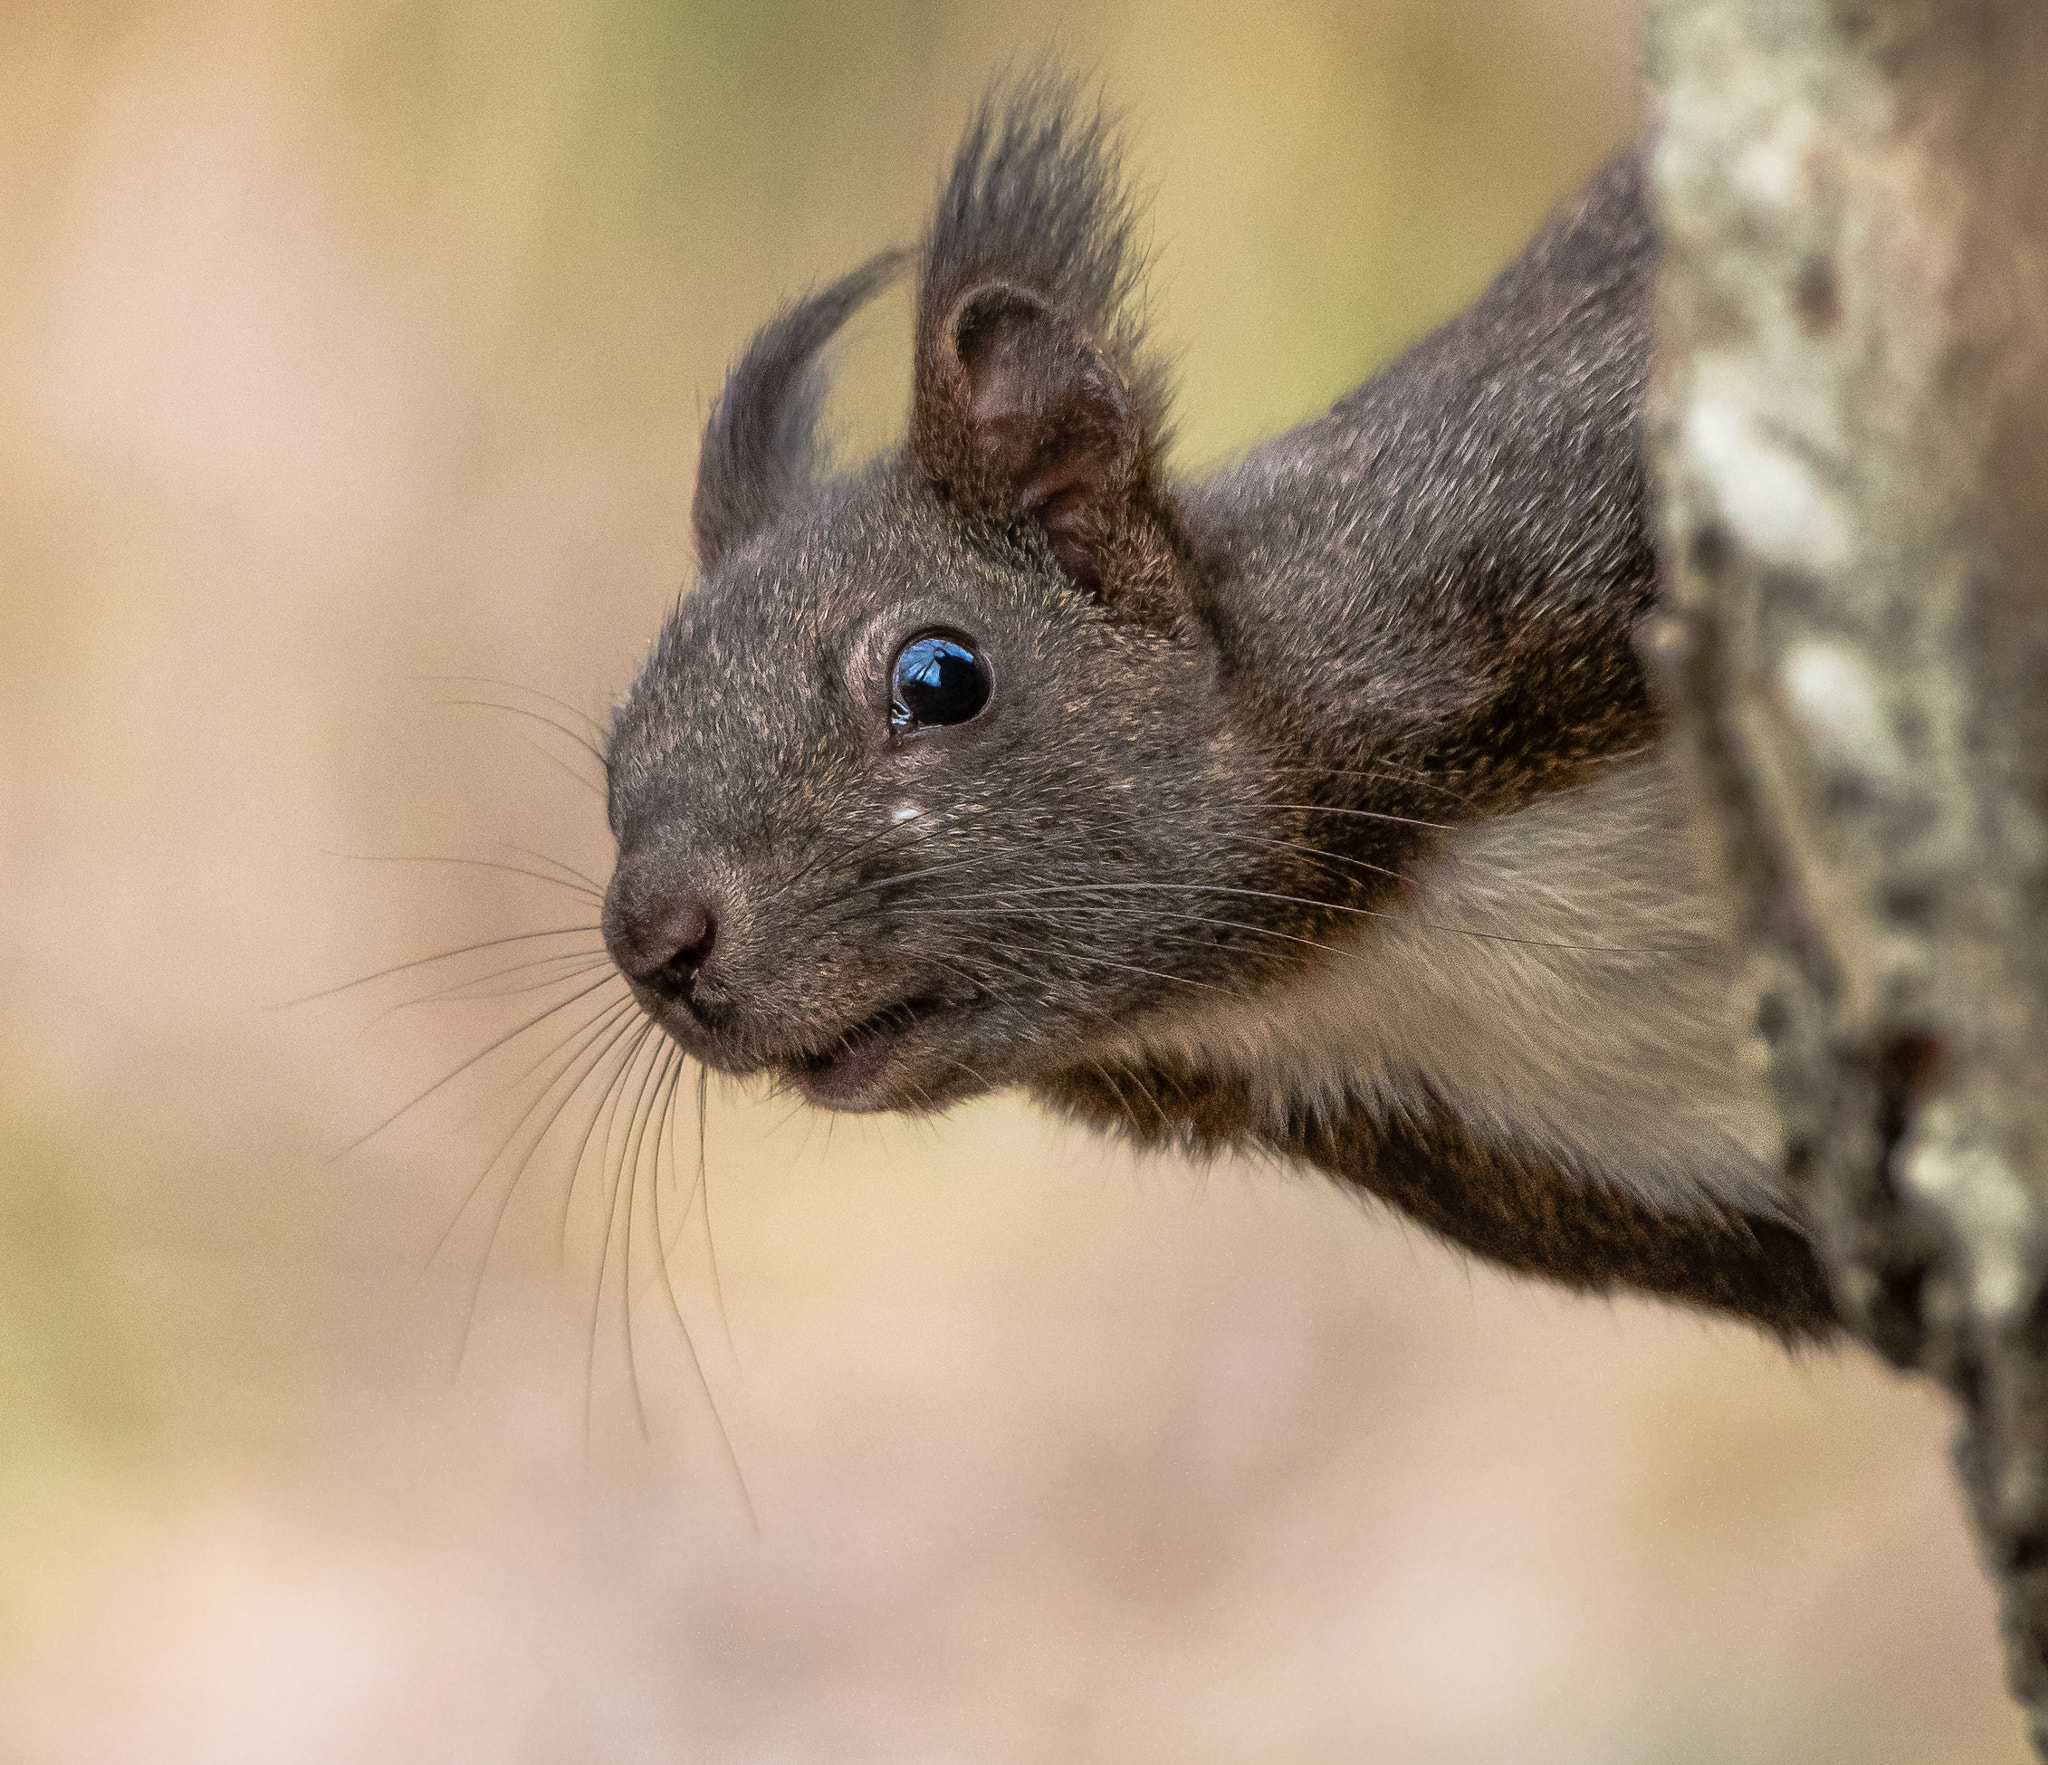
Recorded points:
(1850, 435)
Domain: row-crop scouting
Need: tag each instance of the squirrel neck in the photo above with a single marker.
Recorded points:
(1443, 574)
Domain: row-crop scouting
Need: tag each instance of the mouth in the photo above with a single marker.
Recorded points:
(848, 1075)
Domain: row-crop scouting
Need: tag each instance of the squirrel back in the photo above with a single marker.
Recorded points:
(1315, 808)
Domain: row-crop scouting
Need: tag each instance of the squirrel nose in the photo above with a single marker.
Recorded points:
(677, 948)
(659, 936)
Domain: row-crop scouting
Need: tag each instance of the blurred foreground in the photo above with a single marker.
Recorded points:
(348, 353)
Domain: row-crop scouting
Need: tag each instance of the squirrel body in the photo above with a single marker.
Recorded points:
(1315, 809)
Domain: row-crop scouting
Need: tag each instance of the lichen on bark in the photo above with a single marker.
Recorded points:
(1849, 436)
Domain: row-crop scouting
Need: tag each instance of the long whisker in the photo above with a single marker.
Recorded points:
(579, 1040)
(1083, 889)
(1395, 770)
(1144, 1091)
(910, 876)
(554, 759)
(627, 1028)
(560, 931)
(481, 1054)
(629, 1176)
(732, 1458)
(442, 858)
(1157, 974)
(906, 833)
(605, 1255)
(569, 870)
(703, 1191)
(979, 1078)
(660, 1089)
(521, 711)
(587, 961)
(603, 1037)
(856, 891)
(1362, 815)
(606, 1031)
(874, 885)
(596, 729)
(1315, 852)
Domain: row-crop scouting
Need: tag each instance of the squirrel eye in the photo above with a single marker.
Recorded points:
(935, 680)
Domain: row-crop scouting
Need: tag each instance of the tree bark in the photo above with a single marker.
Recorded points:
(1849, 433)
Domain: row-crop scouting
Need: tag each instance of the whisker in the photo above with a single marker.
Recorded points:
(1070, 889)
(1395, 770)
(619, 1088)
(481, 1054)
(732, 1458)
(590, 1030)
(853, 900)
(664, 1134)
(874, 885)
(928, 824)
(553, 759)
(1352, 955)
(1362, 815)
(596, 729)
(978, 1078)
(442, 858)
(605, 1032)
(981, 857)
(629, 1177)
(1157, 974)
(703, 1097)
(569, 870)
(588, 962)
(521, 711)
(1316, 852)
(703, 1190)
(1144, 1091)
(560, 931)
(629, 1027)
(908, 832)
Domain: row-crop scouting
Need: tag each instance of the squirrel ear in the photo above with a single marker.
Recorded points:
(760, 449)
(1025, 417)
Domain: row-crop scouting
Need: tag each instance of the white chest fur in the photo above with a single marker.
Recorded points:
(1590, 1022)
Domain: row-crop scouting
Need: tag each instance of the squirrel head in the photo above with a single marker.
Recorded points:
(898, 785)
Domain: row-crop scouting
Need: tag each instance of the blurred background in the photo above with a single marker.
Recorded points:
(351, 364)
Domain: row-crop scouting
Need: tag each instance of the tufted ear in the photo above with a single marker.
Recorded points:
(1044, 420)
(1035, 403)
(760, 448)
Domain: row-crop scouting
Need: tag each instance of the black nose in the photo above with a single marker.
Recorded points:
(677, 948)
(660, 935)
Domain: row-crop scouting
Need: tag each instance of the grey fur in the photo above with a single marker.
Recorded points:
(760, 448)
(1252, 744)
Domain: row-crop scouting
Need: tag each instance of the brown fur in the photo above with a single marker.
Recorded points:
(1229, 725)
(1513, 1206)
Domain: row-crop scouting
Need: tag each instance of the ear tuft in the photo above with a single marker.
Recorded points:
(760, 448)
(1034, 401)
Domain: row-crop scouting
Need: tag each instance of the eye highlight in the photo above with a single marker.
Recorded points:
(935, 680)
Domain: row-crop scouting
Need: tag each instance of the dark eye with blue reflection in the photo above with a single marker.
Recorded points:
(935, 680)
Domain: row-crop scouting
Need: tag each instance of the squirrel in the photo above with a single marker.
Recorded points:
(1315, 809)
